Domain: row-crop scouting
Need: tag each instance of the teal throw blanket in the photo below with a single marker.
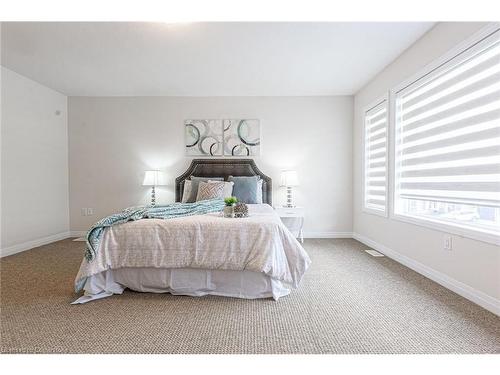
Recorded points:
(168, 211)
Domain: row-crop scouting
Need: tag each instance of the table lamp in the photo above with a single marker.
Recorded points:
(153, 179)
(288, 179)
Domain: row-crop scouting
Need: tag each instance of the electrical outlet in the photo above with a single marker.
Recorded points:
(84, 211)
(90, 211)
(448, 245)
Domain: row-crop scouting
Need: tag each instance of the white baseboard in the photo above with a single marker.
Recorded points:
(31, 244)
(466, 291)
(78, 233)
(327, 234)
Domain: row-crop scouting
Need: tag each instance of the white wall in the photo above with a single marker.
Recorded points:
(112, 140)
(34, 163)
(475, 264)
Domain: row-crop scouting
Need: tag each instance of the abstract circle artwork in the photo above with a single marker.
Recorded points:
(203, 137)
(241, 137)
(229, 137)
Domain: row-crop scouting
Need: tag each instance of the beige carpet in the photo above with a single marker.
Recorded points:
(349, 302)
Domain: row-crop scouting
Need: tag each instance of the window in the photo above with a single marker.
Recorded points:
(447, 143)
(375, 162)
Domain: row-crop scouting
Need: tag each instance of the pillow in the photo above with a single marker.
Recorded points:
(228, 188)
(245, 188)
(187, 191)
(195, 181)
(259, 191)
(210, 190)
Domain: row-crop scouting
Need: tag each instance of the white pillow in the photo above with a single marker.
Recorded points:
(259, 191)
(187, 191)
(228, 188)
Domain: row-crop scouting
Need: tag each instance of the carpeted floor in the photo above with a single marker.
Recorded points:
(349, 302)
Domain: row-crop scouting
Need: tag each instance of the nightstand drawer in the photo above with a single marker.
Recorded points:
(290, 212)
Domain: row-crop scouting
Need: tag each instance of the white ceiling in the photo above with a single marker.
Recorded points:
(204, 59)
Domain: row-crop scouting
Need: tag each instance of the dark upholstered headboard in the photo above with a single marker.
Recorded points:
(224, 168)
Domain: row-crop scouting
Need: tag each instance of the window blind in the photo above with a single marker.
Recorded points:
(375, 193)
(448, 130)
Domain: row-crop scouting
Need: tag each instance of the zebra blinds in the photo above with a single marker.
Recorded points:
(448, 130)
(375, 192)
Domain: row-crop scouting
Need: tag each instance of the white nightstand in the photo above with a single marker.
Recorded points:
(293, 219)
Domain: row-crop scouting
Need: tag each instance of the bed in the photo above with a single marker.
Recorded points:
(252, 257)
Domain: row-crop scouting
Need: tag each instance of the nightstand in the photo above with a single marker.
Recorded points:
(293, 219)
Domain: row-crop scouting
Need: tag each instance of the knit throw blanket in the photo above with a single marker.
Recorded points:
(168, 211)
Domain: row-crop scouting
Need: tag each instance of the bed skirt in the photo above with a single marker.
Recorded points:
(183, 281)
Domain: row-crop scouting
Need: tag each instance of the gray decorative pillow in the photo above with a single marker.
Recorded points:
(210, 190)
(187, 191)
(245, 188)
(195, 181)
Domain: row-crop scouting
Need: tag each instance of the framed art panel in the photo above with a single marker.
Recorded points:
(203, 137)
(241, 137)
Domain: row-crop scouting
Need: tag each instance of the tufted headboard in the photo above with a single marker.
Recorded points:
(224, 168)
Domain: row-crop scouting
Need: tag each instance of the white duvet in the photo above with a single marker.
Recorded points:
(259, 243)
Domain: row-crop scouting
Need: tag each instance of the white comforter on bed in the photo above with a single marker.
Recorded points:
(259, 243)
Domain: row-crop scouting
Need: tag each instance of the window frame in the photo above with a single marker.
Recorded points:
(439, 225)
(367, 108)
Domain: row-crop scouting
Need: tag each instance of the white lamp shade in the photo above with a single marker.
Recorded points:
(289, 178)
(154, 178)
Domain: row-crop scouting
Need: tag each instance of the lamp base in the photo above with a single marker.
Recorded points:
(153, 196)
(289, 200)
